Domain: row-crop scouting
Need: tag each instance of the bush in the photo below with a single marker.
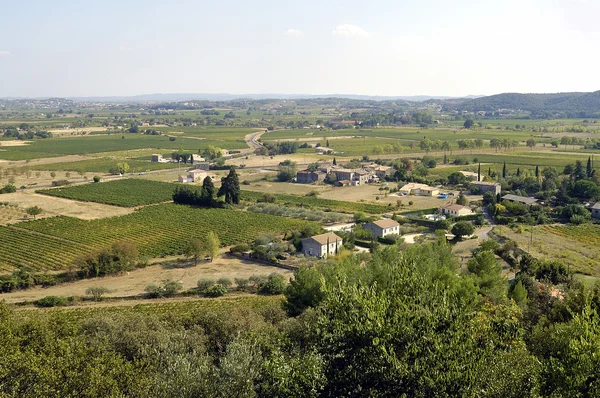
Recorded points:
(60, 183)
(204, 284)
(52, 301)
(9, 188)
(274, 285)
(241, 248)
(241, 283)
(97, 178)
(167, 288)
(215, 291)
(97, 292)
(225, 282)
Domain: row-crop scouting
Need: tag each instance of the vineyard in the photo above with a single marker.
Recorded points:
(125, 193)
(317, 203)
(34, 251)
(103, 165)
(163, 229)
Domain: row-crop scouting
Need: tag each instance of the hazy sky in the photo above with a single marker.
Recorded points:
(374, 47)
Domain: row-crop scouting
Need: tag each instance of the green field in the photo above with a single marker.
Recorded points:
(163, 229)
(129, 192)
(52, 147)
(34, 251)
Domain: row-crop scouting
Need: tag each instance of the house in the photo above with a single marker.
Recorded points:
(411, 188)
(156, 158)
(360, 177)
(414, 188)
(194, 175)
(322, 245)
(323, 150)
(384, 171)
(483, 187)
(324, 167)
(383, 227)
(309, 177)
(596, 210)
(455, 210)
(344, 174)
(520, 199)
(200, 165)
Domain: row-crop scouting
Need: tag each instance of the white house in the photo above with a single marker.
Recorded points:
(383, 227)
(414, 188)
(455, 210)
(322, 245)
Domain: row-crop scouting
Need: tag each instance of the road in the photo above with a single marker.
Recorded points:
(252, 139)
(483, 232)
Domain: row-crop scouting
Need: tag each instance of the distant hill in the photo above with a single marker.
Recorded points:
(573, 104)
(229, 97)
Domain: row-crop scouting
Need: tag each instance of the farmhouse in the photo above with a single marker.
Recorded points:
(483, 187)
(322, 245)
(360, 177)
(309, 177)
(596, 210)
(323, 150)
(520, 199)
(156, 158)
(383, 227)
(194, 175)
(200, 165)
(344, 174)
(455, 210)
(384, 171)
(414, 188)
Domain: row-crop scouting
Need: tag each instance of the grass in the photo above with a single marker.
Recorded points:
(318, 203)
(129, 192)
(574, 245)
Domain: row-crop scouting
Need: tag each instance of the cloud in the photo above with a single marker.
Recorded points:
(294, 33)
(3, 53)
(348, 30)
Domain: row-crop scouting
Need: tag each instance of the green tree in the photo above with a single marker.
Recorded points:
(34, 211)
(468, 123)
(207, 195)
(530, 143)
(212, 245)
(462, 228)
(96, 292)
(195, 249)
(504, 170)
(287, 171)
(230, 188)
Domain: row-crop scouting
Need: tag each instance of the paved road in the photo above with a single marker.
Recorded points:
(252, 139)
(483, 232)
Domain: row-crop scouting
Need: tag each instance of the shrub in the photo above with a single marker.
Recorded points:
(97, 292)
(274, 285)
(153, 290)
(97, 178)
(241, 248)
(215, 291)
(171, 287)
(204, 284)
(225, 282)
(52, 301)
(241, 283)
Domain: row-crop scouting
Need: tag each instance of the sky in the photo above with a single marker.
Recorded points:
(73, 48)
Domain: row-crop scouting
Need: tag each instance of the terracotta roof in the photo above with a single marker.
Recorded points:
(324, 238)
(386, 223)
(414, 185)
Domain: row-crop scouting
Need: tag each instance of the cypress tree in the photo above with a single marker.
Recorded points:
(230, 188)
(588, 169)
(479, 172)
(537, 171)
(334, 162)
(504, 170)
(518, 171)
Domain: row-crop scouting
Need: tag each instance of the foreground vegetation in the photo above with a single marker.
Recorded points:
(392, 325)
